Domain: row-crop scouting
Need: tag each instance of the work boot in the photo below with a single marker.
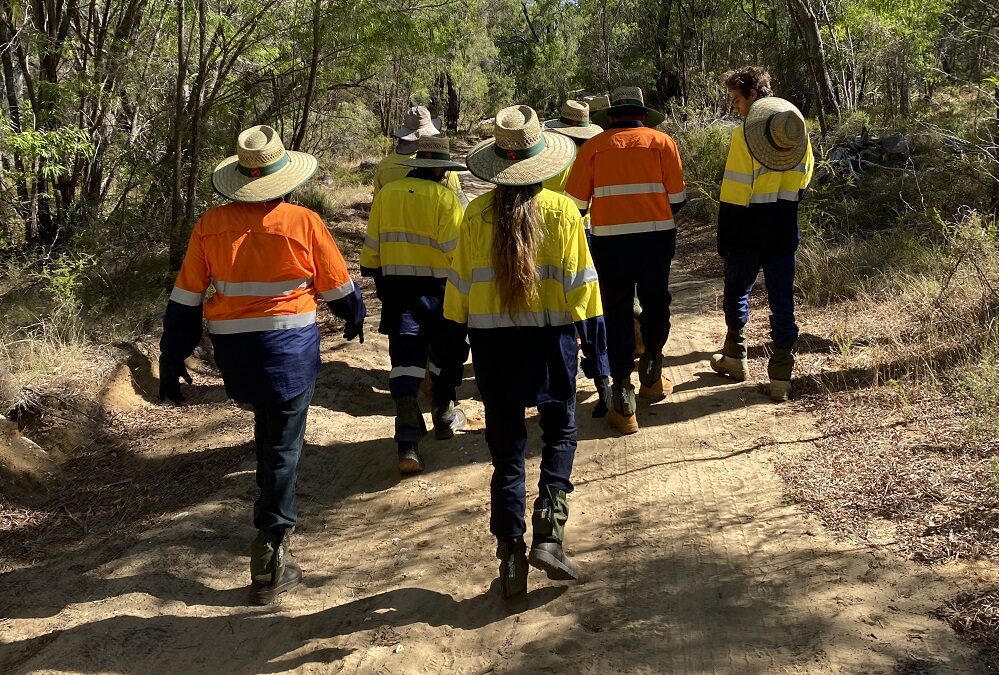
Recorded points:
(779, 369)
(622, 414)
(654, 385)
(410, 459)
(270, 572)
(512, 554)
(732, 361)
(548, 523)
(447, 420)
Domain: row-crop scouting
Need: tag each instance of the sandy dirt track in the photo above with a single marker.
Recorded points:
(693, 561)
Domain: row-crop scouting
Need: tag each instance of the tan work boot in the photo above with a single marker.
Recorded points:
(654, 385)
(779, 390)
(779, 369)
(622, 415)
(732, 361)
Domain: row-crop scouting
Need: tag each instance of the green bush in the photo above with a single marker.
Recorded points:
(703, 150)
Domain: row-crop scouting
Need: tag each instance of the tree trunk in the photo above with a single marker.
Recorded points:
(11, 90)
(177, 243)
(310, 90)
(808, 28)
(453, 105)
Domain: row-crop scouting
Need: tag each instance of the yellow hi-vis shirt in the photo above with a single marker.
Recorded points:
(748, 182)
(568, 290)
(390, 169)
(557, 184)
(412, 229)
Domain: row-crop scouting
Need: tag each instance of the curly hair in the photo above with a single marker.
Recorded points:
(749, 79)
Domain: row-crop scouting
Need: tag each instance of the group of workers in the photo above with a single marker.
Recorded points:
(548, 264)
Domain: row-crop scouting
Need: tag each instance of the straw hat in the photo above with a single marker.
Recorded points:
(574, 121)
(775, 133)
(434, 152)
(521, 153)
(631, 100)
(261, 169)
(598, 109)
(417, 123)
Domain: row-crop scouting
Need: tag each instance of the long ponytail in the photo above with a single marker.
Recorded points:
(517, 232)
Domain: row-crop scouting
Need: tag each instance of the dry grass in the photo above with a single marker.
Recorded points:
(976, 616)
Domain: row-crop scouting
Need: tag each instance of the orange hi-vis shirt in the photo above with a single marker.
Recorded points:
(268, 264)
(632, 175)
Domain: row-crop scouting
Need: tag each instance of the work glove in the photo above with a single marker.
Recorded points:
(604, 391)
(355, 330)
(171, 372)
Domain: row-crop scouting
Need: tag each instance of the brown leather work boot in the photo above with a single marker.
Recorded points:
(622, 415)
(654, 385)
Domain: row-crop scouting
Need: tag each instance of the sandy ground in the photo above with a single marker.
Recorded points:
(694, 563)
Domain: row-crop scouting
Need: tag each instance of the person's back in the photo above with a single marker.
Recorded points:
(391, 168)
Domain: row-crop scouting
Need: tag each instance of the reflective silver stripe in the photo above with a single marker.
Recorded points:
(448, 246)
(265, 289)
(410, 238)
(633, 228)
(371, 243)
(338, 292)
(677, 197)
(771, 197)
(415, 271)
(407, 371)
(189, 298)
(520, 319)
(545, 272)
(480, 274)
(464, 287)
(629, 189)
(580, 278)
(739, 177)
(261, 323)
(433, 368)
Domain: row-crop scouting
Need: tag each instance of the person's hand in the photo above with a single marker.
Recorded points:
(604, 391)
(355, 330)
(171, 373)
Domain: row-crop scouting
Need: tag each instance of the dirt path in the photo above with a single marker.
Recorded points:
(693, 561)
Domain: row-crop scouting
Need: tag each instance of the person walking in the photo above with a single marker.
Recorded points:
(769, 166)
(412, 233)
(269, 262)
(524, 288)
(634, 177)
(417, 123)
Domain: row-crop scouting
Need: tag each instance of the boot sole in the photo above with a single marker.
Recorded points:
(726, 373)
(444, 432)
(552, 566)
(265, 595)
(410, 466)
(626, 425)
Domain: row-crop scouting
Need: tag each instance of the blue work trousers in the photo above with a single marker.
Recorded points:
(279, 432)
(742, 266)
(506, 436)
(618, 299)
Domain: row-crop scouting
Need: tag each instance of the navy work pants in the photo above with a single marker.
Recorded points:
(279, 432)
(506, 436)
(742, 266)
(618, 299)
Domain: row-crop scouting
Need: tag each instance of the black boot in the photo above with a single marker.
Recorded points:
(270, 573)
(512, 554)
(548, 522)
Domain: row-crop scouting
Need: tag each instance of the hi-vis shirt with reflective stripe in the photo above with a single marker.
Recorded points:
(390, 169)
(567, 291)
(557, 184)
(632, 175)
(412, 229)
(747, 182)
(267, 262)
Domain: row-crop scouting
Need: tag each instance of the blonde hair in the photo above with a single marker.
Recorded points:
(517, 233)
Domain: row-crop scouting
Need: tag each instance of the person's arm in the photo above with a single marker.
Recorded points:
(579, 185)
(736, 191)
(809, 163)
(333, 282)
(459, 284)
(672, 169)
(371, 259)
(182, 325)
(450, 213)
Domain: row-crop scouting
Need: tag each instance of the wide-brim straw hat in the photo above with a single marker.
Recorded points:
(776, 133)
(262, 170)
(417, 123)
(434, 152)
(574, 121)
(598, 109)
(630, 100)
(521, 152)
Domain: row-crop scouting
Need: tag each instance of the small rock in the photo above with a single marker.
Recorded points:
(398, 648)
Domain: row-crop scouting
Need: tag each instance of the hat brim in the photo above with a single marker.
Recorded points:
(231, 184)
(573, 131)
(484, 163)
(446, 164)
(407, 134)
(754, 129)
(653, 118)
